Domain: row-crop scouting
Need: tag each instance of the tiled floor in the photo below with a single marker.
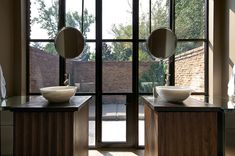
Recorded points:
(116, 153)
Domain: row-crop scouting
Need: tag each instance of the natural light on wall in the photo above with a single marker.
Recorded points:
(231, 34)
(193, 73)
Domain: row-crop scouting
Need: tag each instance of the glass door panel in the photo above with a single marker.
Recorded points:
(117, 67)
(117, 17)
(114, 118)
(116, 84)
(141, 129)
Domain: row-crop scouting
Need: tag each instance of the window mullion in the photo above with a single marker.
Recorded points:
(150, 16)
(98, 69)
(171, 68)
(61, 24)
(82, 29)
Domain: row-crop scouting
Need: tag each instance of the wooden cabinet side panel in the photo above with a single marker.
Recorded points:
(81, 131)
(151, 132)
(187, 133)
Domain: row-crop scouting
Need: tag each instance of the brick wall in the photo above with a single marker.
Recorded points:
(189, 69)
(117, 76)
(44, 69)
(83, 74)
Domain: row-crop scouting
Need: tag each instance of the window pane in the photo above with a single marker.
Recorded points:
(141, 123)
(43, 19)
(151, 73)
(117, 19)
(74, 16)
(92, 122)
(190, 18)
(117, 67)
(74, 13)
(44, 66)
(82, 69)
(144, 29)
(160, 14)
(189, 65)
(114, 118)
(89, 17)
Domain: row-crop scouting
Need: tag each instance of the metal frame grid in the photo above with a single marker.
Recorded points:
(132, 98)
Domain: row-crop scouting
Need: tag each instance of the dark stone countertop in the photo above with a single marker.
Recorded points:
(38, 103)
(190, 104)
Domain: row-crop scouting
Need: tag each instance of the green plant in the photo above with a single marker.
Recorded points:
(48, 20)
(154, 76)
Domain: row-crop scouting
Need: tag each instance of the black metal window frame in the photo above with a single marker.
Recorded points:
(171, 67)
(135, 63)
(62, 61)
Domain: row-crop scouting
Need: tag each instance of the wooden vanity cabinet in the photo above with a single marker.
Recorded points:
(43, 129)
(51, 133)
(182, 133)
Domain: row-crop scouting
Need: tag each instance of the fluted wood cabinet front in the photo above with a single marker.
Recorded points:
(180, 133)
(45, 133)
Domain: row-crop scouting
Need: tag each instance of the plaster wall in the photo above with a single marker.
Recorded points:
(228, 63)
(229, 46)
(7, 43)
(216, 46)
(12, 60)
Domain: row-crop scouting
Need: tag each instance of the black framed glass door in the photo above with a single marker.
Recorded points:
(116, 107)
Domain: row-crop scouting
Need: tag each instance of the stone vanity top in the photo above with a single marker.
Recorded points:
(38, 103)
(190, 104)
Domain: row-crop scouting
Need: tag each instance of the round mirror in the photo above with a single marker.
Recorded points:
(69, 42)
(162, 43)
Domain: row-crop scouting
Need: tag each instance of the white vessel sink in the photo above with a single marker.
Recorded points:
(58, 94)
(173, 93)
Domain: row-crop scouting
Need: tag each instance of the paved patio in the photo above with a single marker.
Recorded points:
(114, 123)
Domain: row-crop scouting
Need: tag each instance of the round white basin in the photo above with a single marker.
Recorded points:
(58, 94)
(173, 93)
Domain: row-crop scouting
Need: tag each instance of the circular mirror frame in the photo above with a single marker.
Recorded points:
(69, 42)
(162, 43)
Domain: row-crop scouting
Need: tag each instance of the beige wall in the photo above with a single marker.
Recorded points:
(216, 33)
(229, 43)
(221, 45)
(7, 61)
(11, 46)
(7, 42)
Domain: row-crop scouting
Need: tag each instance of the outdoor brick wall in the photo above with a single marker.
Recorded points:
(189, 69)
(117, 76)
(83, 74)
(44, 69)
